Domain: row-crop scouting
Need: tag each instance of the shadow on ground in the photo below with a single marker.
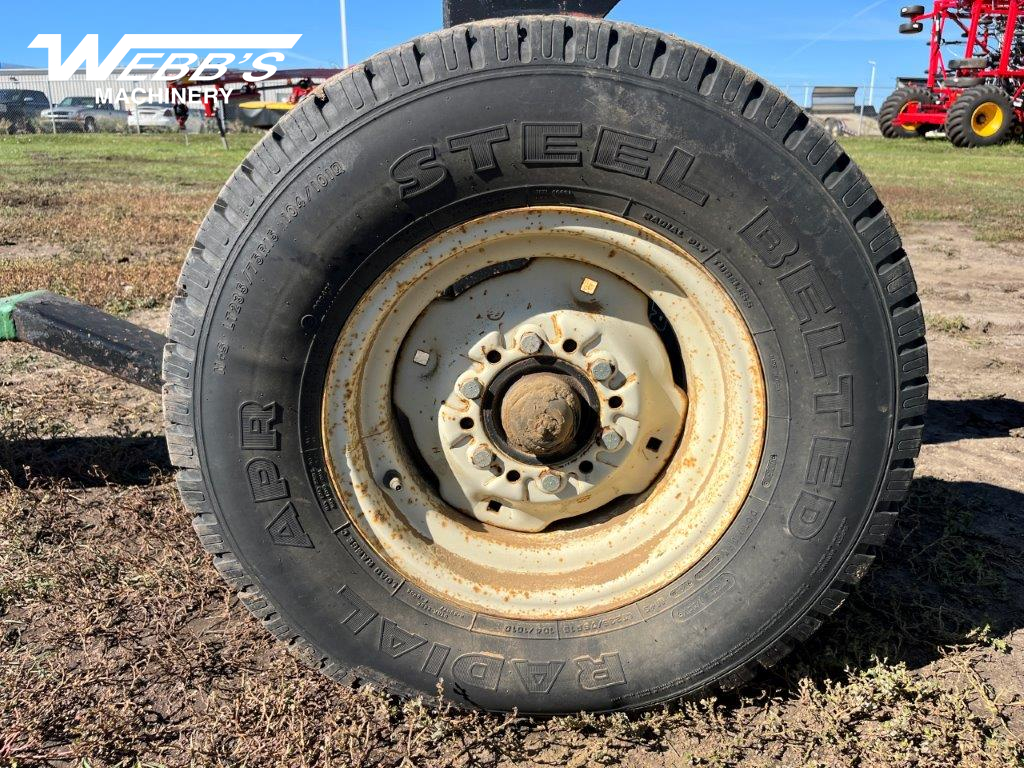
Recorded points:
(86, 462)
(952, 420)
(953, 565)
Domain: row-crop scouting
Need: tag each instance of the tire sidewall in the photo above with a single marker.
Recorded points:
(813, 303)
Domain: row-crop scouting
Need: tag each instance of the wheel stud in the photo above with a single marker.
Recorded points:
(471, 389)
(530, 343)
(611, 439)
(482, 456)
(551, 482)
(601, 369)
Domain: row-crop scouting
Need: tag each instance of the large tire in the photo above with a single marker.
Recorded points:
(981, 116)
(976, 62)
(574, 118)
(894, 106)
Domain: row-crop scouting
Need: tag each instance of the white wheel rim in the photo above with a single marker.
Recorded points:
(396, 351)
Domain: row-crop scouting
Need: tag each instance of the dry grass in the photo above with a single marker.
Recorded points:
(120, 645)
(931, 180)
(107, 218)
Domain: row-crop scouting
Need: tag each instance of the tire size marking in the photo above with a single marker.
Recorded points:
(822, 333)
(250, 270)
(316, 182)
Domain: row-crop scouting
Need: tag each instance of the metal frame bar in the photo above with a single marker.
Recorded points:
(86, 335)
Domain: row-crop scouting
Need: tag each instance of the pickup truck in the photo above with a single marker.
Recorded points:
(19, 108)
(84, 113)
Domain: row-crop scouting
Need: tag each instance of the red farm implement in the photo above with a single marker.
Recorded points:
(977, 98)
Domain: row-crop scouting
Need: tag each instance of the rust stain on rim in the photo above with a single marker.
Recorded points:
(445, 552)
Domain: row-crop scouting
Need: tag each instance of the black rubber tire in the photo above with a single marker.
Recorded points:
(893, 106)
(89, 126)
(959, 126)
(967, 82)
(732, 168)
(973, 63)
(911, 28)
(910, 11)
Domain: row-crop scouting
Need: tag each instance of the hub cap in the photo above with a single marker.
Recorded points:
(545, 413)
(540, 415)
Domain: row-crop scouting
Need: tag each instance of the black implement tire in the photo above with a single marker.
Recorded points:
(978, 62)
(893, 107)
(638, 124)
(910, 11)
(981, 116)
(911, 28)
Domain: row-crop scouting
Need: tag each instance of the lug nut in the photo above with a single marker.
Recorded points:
(481, 457)
(530, 343)
(611, 439)
(471, 389)
(602, 369)
(550, 482)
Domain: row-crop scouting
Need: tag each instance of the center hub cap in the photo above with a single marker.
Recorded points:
(540, 414)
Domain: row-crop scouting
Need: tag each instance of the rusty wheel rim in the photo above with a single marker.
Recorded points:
(653, 479)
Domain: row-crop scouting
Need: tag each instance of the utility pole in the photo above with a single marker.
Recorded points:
(871, 98)
(863, 101)
(871, 88)
(344, 37)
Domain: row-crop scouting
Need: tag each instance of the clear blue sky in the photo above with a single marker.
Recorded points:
(791, 42)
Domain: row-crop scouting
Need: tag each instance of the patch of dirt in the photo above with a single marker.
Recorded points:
(120, 645)
(973, 297)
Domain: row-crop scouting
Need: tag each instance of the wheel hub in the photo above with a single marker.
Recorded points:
(540, 415)
(568, 399)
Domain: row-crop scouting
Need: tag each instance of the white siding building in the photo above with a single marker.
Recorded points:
(38, 80)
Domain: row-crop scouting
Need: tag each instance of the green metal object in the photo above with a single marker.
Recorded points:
(7, 305)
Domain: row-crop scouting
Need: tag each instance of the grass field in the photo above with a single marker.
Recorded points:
(934, 181)
(120, 645)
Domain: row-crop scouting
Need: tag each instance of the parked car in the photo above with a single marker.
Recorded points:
(20, 108)
(84, 113)
(161, 117)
